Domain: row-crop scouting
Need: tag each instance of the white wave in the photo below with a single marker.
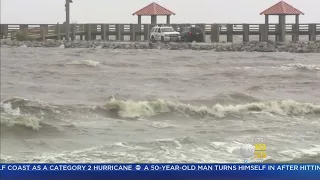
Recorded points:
(85, 62)
(8, 109)
(161, 125)
(292, 154)
(29, 122)
(12, 117)
(310, 67)
(133, 109)
(298, 66)
(159, 150)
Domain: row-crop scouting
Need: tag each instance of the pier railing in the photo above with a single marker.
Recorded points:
(141, 32)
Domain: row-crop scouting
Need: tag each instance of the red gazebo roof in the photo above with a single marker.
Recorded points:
(282, 8)
(153, 9)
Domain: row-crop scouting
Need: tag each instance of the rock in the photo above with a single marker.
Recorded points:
(253, 46)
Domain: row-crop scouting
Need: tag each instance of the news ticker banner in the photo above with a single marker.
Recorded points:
(160, 171)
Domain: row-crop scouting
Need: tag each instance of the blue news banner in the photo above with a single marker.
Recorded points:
(160, 171)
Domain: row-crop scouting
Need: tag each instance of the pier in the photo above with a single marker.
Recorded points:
(141, 32)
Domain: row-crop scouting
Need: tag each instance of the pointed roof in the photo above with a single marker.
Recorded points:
(153, 9)
(282, 8)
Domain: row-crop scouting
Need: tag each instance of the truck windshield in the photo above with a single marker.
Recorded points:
(169, 29)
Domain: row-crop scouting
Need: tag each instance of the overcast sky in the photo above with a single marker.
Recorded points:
(120, 11)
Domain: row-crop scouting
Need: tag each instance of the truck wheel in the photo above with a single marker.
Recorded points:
(152, 39)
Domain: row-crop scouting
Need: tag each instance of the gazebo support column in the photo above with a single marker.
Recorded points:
(282, 28)
(266, 30)
(266, 19)
(297, 19)
(139, 19)
(168, 19)
(154, 19)
(296, 30)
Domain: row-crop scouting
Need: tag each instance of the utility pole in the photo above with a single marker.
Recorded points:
(67, 5)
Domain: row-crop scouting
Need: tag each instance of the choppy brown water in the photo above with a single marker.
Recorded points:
(97, 105)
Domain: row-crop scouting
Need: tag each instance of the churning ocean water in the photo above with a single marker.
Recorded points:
(98, 105)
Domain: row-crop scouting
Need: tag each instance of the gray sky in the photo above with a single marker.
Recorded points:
(120, 11)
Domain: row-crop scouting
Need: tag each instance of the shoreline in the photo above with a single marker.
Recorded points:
(252, 46)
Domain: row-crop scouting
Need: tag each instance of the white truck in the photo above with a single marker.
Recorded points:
(164, 34)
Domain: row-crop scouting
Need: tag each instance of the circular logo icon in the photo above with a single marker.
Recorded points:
(138, 167)
(247, 151)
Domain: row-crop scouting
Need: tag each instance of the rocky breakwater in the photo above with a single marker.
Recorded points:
(253, 46)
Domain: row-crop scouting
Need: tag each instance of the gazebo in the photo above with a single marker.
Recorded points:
(154, 10)
(281, 9)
